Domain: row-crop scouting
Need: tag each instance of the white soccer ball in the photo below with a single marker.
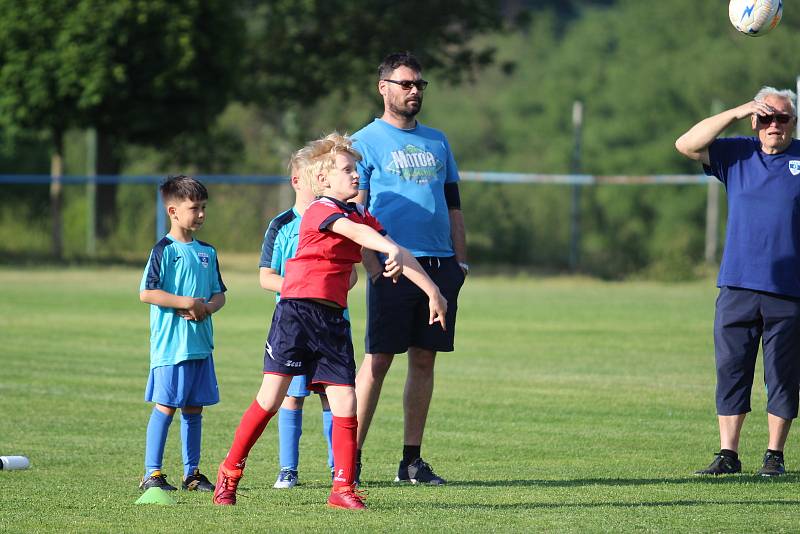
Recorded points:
(755, 17)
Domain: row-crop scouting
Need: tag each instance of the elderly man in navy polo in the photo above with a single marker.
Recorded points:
(759, 279)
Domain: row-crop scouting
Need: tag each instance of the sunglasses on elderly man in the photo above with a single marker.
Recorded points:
(780, 118)
(408, 84)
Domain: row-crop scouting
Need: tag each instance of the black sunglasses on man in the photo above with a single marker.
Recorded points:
(408, 84)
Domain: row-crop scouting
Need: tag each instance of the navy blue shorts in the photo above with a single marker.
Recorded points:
(743, 318)
(311, 339)
(397, 314)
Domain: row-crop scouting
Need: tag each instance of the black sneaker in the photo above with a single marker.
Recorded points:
(156, 480)
(722, 465)
(418, 472)
(197, 481)
(773, 466)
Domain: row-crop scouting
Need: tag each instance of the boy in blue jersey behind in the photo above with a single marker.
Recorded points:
(280, 244)
(183, 286)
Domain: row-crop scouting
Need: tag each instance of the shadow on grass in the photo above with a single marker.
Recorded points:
(578, 505)
(789, 478)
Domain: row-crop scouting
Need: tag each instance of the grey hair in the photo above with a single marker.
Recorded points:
(786, 94)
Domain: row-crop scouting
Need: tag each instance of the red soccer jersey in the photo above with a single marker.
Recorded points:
(321, 268)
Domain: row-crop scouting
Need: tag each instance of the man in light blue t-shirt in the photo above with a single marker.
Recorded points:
(409, 182)
(759, 278)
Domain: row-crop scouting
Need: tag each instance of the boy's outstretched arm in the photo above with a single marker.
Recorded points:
(437, 304)
(397, 258)
(369, 238)
(371, 263)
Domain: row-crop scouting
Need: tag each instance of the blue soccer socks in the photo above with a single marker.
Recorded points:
(157, 430)
(290, 428)
(327, 428)
(191, 434)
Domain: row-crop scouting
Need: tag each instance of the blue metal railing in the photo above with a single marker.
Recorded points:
(470, 176)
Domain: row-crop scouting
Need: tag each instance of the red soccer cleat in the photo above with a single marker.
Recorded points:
(347, 497)
(225, 488)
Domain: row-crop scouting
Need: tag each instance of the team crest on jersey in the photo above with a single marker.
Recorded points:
(414, 164)
(794, 167)
(203, 259)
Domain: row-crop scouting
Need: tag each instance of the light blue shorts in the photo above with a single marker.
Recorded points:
(298, 387)
(188, 383)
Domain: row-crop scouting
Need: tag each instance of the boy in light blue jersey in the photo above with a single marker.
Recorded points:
(280, 244)
(183, 286)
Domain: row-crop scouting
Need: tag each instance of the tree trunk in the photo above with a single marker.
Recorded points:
(109, 162)
(57, 194)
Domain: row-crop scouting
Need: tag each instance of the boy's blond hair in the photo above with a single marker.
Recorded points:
(319, 157)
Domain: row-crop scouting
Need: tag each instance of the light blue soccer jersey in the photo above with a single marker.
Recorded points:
(405, 172)
(280, 242)
(187, 270)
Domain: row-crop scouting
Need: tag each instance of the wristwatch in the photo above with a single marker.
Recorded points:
(464, 267)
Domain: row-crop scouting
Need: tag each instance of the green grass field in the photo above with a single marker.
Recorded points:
(570, 404)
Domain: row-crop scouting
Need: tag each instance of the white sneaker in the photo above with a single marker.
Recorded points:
(286, 479)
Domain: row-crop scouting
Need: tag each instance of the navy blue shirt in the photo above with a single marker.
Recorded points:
(762, 241)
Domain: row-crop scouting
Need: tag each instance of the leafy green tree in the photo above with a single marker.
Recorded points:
(645, 71)
(301, 51)
(301, 54)
(143, 71)
(29, 89)
(157, 72)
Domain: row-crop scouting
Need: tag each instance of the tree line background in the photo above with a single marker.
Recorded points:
(232, 87)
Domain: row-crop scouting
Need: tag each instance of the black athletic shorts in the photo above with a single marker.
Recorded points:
(397, 314)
